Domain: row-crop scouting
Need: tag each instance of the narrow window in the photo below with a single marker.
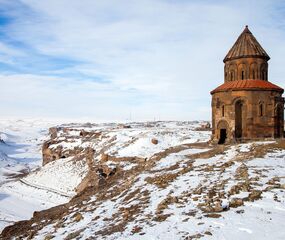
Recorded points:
(242, 75)
(218, 103)
(232, 76)
(262, 76)
(223, 110)
(253, 74)
(265, 76)
(260, 110)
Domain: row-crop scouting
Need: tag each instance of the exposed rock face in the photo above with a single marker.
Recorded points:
(236, 202)
(78, 217)
(254, 195)
(53, 132)
(124, 126)
(164, 204)
(104, 157)
(204, 127)
(53, 150)
(86, 134)
(97, 174)
(55, 153)
(60, 145)
(154, 141)
(242, 172)
(50, 155)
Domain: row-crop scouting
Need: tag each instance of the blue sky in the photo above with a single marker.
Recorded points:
(112, 60)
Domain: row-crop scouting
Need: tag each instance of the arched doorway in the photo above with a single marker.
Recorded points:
(223, 131)
(238, 119)
(278, 118)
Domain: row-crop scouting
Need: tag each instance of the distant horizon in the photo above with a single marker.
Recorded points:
(114, 61)
(92, 120)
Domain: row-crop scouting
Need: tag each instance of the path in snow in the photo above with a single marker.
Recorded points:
(19, 154)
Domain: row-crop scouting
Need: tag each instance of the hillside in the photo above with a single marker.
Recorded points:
(155, 180)
(20, 154)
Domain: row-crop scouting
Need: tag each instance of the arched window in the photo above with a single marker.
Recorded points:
(242, 75)
(223, 110)
(232, 75)
(261, 109)
(253, 70)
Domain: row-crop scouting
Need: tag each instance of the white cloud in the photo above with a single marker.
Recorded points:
(169, 53)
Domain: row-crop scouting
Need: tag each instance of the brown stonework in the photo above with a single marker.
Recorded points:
(247, 106)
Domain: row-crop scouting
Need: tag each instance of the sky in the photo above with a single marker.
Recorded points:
(122, 60)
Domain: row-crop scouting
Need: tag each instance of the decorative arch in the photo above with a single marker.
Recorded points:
(242, 71)
(240, 110)
(222, 124)
(243, 99)
(223, 131)
(232, 72)
(261, 108)
(253, 71)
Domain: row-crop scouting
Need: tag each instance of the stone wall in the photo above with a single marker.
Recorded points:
(246, 68)
(259, 117)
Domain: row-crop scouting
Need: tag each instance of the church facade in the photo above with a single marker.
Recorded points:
(247, 106)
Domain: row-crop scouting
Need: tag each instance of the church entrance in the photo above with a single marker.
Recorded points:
(238, 119)
(223, 136)
(223, 131)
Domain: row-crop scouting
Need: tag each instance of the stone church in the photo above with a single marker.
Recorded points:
(247, 106)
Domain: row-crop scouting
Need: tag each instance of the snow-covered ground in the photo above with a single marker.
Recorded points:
(58, 176)
(21, 150)
(177, 201)
(180, 187)
(55, 183)
(20, 153)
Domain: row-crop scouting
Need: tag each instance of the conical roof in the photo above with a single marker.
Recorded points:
(246, 46)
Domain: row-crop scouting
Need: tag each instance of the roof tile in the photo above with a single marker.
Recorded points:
(248, 85)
